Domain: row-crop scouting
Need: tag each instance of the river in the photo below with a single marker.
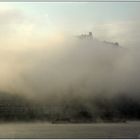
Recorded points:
(48, 130)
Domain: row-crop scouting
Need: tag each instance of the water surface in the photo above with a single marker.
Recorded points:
(48, 130)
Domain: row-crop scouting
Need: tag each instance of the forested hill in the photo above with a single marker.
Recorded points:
(73, 109)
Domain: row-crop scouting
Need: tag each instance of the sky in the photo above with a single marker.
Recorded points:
(114, 21)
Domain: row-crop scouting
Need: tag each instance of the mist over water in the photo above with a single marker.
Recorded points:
(85, 67)
(72, 79)
(69, 70)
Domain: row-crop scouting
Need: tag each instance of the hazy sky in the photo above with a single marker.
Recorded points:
(114, 21)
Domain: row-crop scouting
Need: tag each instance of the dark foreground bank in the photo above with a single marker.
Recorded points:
(119, 108)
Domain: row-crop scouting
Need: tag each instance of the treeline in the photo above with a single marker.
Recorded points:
(69, 108)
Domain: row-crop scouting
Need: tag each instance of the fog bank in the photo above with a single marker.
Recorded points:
(70, 66)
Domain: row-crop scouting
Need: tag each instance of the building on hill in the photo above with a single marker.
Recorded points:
(111, 43)
(88, 36)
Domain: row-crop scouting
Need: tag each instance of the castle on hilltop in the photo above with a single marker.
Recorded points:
(88, 36)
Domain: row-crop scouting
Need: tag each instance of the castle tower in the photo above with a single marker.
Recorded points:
(90, 35)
